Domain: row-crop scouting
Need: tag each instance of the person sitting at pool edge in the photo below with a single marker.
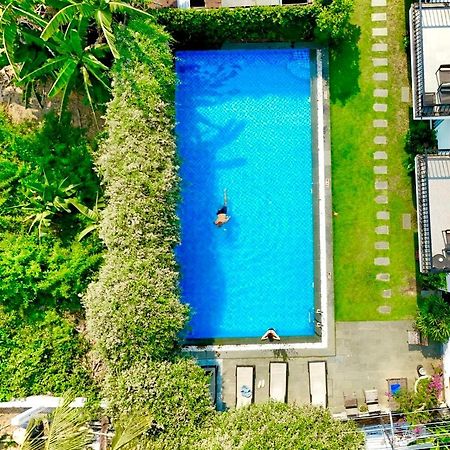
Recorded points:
(222, 216)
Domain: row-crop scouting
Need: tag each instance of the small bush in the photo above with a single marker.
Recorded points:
(433, 318)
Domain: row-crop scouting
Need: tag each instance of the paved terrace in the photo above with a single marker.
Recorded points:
(367, 353)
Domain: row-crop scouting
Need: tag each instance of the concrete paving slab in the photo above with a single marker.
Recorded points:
(381, 185)
(380, 155)
(387, 293)
(383, 277)
(383, 215)
(380, 107)
(378, 3)
(380, 76)
(379, 47)
(406, 221)
(380, 92)
(380, 123)
(379, 62)
(382, 261)
(378, 17)
(383, 229)
(380, 170)
(381, 199)
(382, 245)
(405, 94)
(380, 140)
(384, 309)
(379, 32)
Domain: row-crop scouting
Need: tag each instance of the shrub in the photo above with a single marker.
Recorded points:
(133, 310)
(205, 28)
(174, 394)
(420, 138)
(40, 354)
(280, 426)
(433, 318)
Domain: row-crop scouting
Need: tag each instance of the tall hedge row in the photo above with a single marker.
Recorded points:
(212, 27)
(133, 310)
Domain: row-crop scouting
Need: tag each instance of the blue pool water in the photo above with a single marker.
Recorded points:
(244, 124)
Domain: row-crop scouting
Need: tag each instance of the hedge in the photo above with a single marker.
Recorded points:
(133, 309)
(204, 28)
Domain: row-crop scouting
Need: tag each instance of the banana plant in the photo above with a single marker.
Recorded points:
(101, 11)
(75, 65)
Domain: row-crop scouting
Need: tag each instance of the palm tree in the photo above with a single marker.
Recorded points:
(66, 428)
(99, 10)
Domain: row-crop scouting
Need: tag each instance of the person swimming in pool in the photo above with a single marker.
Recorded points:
(222, 217)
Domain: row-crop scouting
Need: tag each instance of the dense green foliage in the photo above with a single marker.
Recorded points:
(174, 394)
(212, 27)
(133, 309)
(43, 268)
(280, 426)
(433, 318)
(432, 280)
(420, 139)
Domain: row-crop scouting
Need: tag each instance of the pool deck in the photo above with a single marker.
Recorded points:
(367, 354)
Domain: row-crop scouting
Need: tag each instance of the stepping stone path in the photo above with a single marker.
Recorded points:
(380, 62)
(379, 155)
(385, 309)
(406, 221)
(405, 94)
(383, 277)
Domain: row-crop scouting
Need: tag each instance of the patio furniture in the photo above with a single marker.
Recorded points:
(446, 237)
(211, 371)
(245, 385)
(318, 383)
(371, 397)
(395, 386)
(416, 338)
(278, 375)
(351, 405)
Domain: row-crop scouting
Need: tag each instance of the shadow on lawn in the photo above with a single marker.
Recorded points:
(344, 67)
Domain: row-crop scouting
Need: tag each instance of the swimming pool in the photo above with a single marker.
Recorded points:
(244, 125)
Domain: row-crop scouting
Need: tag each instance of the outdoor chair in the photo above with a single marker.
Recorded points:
(416, 338)
(318, 383)
(446, 249)
(278, 377)
(395, 386)
(245, 385)
(371, 397)
(351, 405)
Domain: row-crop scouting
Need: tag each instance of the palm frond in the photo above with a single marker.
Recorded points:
(9, 37)
(48, 67)
(63, 78)
(104, 20)
(89, 229)
(128, 431)
(62, 17)
(87, 87)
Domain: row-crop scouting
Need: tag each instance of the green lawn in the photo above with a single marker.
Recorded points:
(357, 293)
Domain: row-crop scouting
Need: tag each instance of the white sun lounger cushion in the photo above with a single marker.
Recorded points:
(278, 381)
(244, 385)
(318, 383)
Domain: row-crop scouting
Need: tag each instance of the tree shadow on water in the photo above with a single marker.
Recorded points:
(344, 67)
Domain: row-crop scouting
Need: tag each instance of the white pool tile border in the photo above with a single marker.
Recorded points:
(324, 276)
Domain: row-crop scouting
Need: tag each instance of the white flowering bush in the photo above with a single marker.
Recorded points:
(133, 310)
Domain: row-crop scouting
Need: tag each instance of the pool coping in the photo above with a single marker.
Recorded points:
(325, 332)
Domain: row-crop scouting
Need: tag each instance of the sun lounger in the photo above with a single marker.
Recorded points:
(211, 371)
(245, 385)
(318, 383)
(371, 396)
(278, 372)
(351, 405)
